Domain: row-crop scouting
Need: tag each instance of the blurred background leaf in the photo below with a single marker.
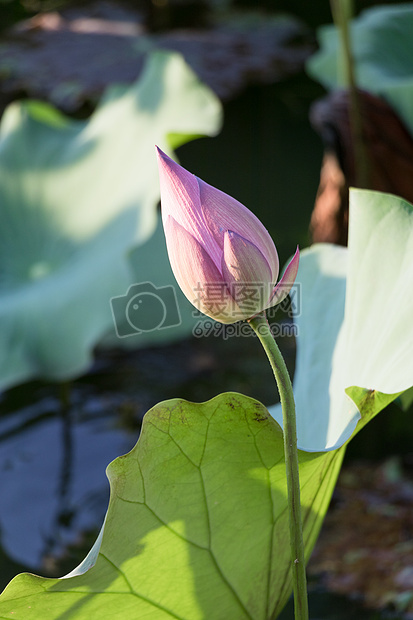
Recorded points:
(75, 197)
(382, 49)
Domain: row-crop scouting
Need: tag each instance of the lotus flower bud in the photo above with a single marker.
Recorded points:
(222, 257)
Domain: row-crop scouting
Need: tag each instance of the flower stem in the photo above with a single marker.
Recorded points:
(261, 327)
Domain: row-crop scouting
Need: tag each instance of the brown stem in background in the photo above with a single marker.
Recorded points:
(341, 11)
(390, 147)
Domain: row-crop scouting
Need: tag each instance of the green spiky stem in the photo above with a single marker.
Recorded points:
(261, 327)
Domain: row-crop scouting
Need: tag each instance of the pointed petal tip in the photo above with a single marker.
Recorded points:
(233, 236)
(284, 286)
(291, 270)
(167, 162)
(161, 155)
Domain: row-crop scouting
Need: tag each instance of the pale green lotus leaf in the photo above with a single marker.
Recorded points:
(319, 314)
(382, 48)
(355, 328)
(75, 196)
(197, 523)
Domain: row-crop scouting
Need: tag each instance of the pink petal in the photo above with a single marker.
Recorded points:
(222, 213)
(284, 286)
(247, 274)
(180, 199)
(197, 275)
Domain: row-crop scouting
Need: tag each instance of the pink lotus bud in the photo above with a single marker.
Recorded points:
(222, 257)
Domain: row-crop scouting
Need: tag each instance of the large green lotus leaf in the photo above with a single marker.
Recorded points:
(355, 329)
(382, 48)
(74, 198)
(197, 523)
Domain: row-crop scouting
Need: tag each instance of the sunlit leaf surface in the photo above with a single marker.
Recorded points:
(197, 522)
